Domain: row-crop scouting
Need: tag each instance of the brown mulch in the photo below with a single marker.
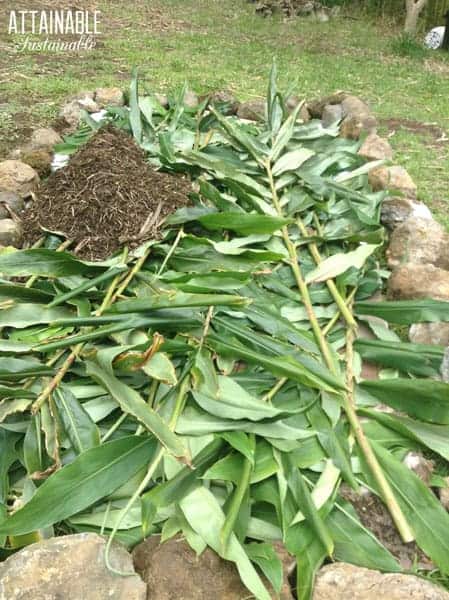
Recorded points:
(107, 197)
(374, 516)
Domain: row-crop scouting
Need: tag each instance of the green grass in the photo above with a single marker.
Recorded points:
(223, 44)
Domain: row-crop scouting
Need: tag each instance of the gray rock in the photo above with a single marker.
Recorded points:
(292, 102)
(353, 106)
(332, 113)
(109, 97)
(419, 241)
(71, 111)
(397, 209)
(11, 200)
(352, 127)
(191, 99)
(43, 138)
(357, 118)
(225, 99)
(10, 233)
(316, 107)
(252, 110)
(393, 178)
(410, 281)
(172, 570)
(422, 467)
(341, 581)
(69, 568)
(162, 99)
(434, 334)
(376, 148)
(17, 177)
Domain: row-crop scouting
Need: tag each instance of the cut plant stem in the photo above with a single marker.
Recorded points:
(274, 390)
(109, 299)
(336, 317)
(339, 300)
(373, 464)
(300, 282)
(159, 455)
(384, 486)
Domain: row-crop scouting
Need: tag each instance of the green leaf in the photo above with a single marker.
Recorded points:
(26, 315)
(265, 557)
(132, 402)
(175, 299)
(419, 359)
(355, 544)
(81, 430)
(308, 562)
(93, 475)
(427, 518)
(45, 263)
(406, 312)
(435, 437)
(233, 402)
(161, 368)
(284, 366)
(425, 399)
(339, 263)
(291, 161)
(245, 224)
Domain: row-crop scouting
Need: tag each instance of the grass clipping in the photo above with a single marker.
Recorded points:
(105, 198)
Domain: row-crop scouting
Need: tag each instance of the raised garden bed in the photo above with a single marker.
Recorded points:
(217, 379)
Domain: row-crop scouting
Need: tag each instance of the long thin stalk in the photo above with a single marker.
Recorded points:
(300, 282)
(385, 488)
(109, 299)
(339, 300)
(179, 405)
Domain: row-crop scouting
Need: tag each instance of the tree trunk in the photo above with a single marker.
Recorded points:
(414, 9)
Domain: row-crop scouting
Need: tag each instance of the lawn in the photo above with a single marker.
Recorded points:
(216, 44)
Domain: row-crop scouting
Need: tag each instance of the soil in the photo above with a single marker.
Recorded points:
(107, 197)
(375, 517)
(430, 130)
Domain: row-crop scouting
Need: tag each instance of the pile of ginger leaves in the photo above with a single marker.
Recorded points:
(208, 382)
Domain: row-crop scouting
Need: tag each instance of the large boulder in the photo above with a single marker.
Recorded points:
(44, 138)
(112, 96)
(332, 113)
(173, 570)
(410, 281)
(17, 177)
(71, 567)
(10, 202)
(341, 581)
(226, 98)
(191, 99)
(393, 178)
(39, 160)
(397, 209)
(10, 233)
(71, 111)
(376, 148)
(357, 118)
(420, 241)
(252, 110)
(316, 107)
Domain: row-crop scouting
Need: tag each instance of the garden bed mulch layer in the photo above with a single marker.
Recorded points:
(107, 197)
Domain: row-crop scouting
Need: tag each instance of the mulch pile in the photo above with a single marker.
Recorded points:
(107, 197)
